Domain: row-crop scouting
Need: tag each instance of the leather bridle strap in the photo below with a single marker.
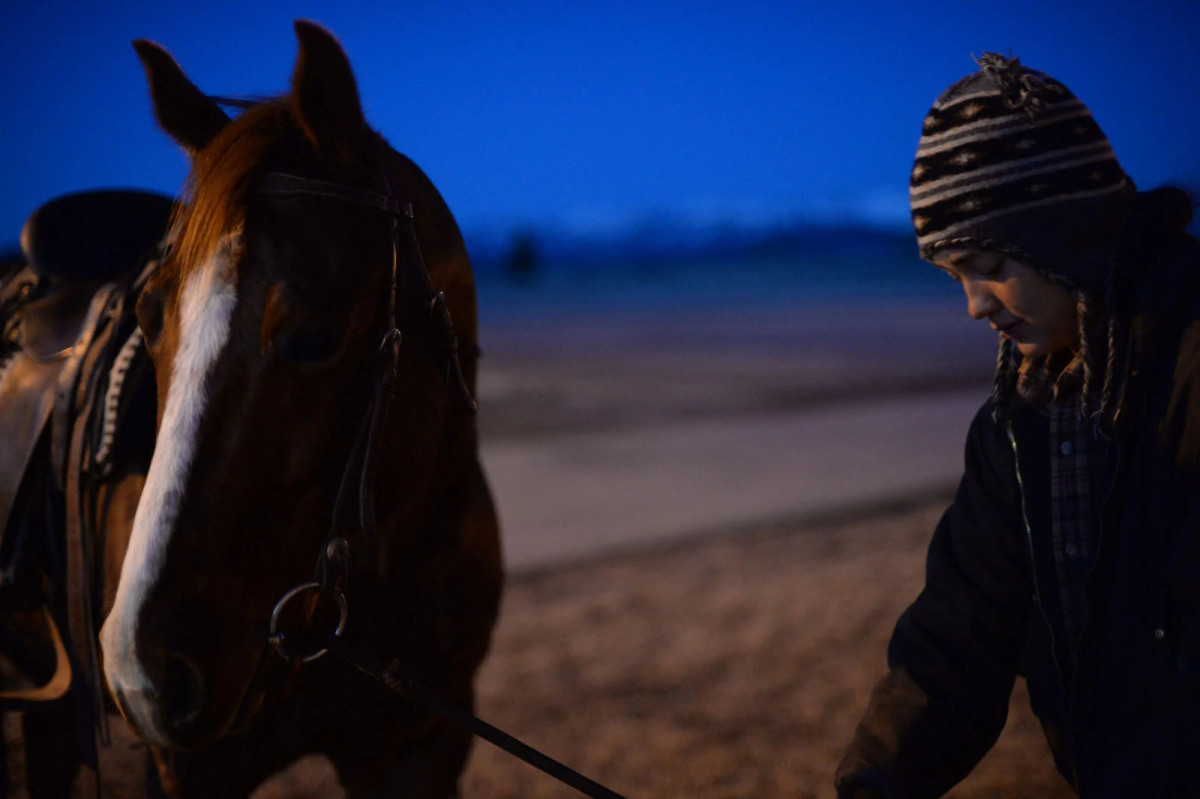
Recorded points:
(353, 510)
(286, 183)
(283, 183)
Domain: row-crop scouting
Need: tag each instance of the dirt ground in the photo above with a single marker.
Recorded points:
(735, 666)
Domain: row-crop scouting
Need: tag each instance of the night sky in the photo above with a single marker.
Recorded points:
(585, 115)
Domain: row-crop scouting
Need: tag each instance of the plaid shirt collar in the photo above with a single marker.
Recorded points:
(1056, 388)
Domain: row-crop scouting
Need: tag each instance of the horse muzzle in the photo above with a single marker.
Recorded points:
(166, 696)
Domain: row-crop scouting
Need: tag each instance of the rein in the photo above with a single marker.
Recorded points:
(392, 676)
(354, 510)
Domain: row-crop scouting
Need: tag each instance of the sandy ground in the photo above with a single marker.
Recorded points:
(735, 666)
(731, 666)
(606, 431)
(733, 661)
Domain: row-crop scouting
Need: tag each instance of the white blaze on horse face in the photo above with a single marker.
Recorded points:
(206, 307)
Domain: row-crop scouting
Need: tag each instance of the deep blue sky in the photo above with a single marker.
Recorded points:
(585, 113)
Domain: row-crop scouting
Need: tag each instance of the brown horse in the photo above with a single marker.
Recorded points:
(314, 416)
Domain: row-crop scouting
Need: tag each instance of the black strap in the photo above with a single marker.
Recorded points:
(391, 201)
(354, 506)
(284, 183)
(394, 678)
(353, 511)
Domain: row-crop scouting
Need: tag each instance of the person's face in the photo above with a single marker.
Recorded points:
(1015, 299)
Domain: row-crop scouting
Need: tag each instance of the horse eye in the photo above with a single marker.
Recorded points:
(309, 346)
(149, 312)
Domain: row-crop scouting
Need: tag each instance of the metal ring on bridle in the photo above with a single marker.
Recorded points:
(392, 338)
(276, 638)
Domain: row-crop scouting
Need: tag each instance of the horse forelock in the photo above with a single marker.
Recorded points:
(216, 190)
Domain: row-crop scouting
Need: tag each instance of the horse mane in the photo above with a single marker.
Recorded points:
(214, 193)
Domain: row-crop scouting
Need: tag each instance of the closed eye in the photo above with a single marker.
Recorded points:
(990, 267)
(981, 265)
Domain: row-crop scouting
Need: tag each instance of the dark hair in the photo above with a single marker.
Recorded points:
(1158, 220)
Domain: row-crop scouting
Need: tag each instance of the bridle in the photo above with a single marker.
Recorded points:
(354, 510)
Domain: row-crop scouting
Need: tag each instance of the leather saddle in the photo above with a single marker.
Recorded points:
(71, 368)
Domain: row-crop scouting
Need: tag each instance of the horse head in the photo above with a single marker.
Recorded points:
(285, 269)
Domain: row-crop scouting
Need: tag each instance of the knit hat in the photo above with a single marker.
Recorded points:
(1011, 161)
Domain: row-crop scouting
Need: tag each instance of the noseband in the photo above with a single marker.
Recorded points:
(354, 509)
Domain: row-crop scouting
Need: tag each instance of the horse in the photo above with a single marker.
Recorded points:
(311, 324)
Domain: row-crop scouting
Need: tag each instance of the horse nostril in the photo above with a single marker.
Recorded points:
(182, 695)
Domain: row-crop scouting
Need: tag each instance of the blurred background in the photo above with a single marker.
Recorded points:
(569, 134)
(684, 207)
(701, 308)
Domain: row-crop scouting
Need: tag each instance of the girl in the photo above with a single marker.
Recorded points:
(1071, 552)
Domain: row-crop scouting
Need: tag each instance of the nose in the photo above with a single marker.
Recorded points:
(181, 693)
(161, 680)
(981, 302)
(168, 707)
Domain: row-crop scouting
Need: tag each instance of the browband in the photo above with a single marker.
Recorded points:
(285, 183)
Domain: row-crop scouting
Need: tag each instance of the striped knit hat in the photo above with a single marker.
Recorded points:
(1011, 161)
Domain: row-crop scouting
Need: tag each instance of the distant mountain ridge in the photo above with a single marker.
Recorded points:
(664, 242)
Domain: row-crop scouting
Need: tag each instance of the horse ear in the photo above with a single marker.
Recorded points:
(182, 110)
(324, 93)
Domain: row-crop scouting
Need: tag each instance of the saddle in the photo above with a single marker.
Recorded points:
(72, 366)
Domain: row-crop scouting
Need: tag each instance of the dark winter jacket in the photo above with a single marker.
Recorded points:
(1121, 704)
